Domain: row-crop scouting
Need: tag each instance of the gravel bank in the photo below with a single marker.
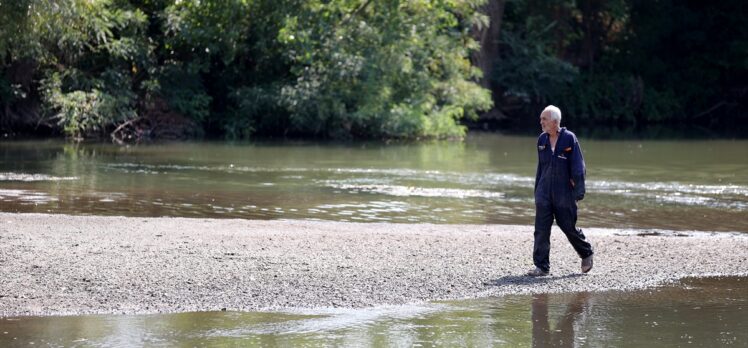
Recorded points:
(59, 264)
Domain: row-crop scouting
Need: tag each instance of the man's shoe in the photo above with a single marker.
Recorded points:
(586, 264)
(537, 272)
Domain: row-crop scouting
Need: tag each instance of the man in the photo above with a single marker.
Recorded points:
(559, 185)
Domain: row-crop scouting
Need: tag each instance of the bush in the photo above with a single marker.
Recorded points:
(87, 113)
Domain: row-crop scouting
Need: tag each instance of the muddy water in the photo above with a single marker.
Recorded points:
(696, 313)
(682, 185)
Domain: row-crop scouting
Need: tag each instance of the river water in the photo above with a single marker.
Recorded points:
(488, 179)
(710, 312)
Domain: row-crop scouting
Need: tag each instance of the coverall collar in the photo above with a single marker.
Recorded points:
(560, 131)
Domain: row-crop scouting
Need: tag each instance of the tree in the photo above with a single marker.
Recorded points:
(341, 68)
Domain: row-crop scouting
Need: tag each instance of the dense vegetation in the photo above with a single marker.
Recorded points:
(135, 70)
(627, 62)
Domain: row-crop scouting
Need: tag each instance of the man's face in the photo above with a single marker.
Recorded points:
(546, 122)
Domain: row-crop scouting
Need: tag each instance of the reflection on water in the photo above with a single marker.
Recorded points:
(562, 334)
(698, 312)
(688, 185)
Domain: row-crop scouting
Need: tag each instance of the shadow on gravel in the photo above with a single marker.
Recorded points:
(527, 280)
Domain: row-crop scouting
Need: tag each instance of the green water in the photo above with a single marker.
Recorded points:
(682, 185)
(698, 313)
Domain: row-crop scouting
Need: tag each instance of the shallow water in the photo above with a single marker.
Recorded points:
(681, 185)
(696, 313)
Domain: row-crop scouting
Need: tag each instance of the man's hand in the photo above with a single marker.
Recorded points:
(573, 185)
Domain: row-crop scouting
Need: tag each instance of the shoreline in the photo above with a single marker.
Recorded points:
(71, 265)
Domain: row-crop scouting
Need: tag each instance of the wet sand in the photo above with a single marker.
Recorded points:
(60, 264)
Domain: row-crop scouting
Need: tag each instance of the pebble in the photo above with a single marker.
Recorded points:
(135, 265)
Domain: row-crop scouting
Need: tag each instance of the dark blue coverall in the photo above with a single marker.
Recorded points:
(556, 198)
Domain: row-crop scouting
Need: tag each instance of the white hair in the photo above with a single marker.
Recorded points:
(555, 113)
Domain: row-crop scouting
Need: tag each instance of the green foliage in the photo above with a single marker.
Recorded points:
(529, 73)
(360, 68)
(257, 109)
(339, 68)
(197, 31)
(83, 53)
(84, 113)
(608, 98)
(382, 69)
(182, 89)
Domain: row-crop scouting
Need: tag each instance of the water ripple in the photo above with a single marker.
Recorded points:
(405, 182)
(406, 191)
(26, 196)
(33, 177)
(613, 186)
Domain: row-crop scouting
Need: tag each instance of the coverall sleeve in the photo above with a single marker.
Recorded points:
(578, 170)
(537, 177)
(537, 171)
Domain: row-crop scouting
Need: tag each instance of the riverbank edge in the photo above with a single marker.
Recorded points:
(73, 265)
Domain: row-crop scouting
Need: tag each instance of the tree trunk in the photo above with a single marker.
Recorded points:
(488, 37)
(487, 57)
(593, 33)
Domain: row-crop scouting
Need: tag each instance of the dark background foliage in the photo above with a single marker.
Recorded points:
(135, 70)
(626, 63)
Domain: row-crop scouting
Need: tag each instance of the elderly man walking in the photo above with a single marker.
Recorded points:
(559, 185)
